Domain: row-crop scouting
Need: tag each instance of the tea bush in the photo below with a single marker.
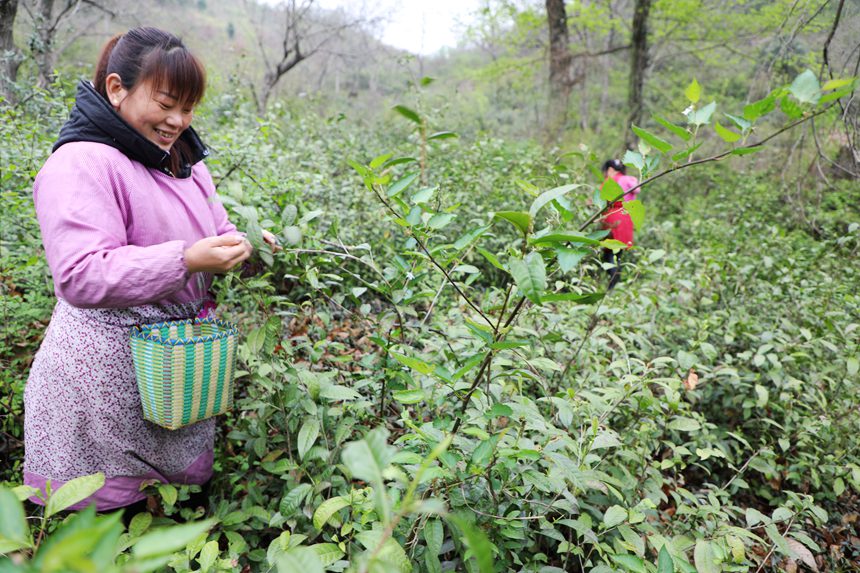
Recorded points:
(433, 378)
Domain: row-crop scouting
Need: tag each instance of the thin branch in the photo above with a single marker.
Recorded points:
(717, 157)
(826, 49)
(773, 547)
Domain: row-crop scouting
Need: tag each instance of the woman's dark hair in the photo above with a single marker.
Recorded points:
(616, 165)
(143, 54)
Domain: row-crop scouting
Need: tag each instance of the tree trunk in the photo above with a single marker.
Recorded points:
(560, 80)
(43, 48)
(10, 56)
(638, 65)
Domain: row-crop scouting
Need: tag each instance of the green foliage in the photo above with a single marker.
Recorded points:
(432, 378)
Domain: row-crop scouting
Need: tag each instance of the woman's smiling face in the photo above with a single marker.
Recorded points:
(154, 112)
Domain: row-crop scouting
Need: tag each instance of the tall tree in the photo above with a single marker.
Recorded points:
(49, 17)
(304, 31)
(638, 66)
(560, 74)
(10, 56)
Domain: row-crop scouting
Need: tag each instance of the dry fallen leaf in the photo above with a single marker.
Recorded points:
(692, 380)
(804, 554)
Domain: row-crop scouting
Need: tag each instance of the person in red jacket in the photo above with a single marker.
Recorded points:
(616, 218)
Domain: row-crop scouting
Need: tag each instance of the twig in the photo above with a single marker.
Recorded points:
(773, 547)
(710, 159)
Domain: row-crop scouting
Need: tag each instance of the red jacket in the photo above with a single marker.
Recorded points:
(619, 224)
(616, 218)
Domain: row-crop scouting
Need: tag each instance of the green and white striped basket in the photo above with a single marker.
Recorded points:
(184, 369)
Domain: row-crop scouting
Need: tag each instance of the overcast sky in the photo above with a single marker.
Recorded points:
(420, 26)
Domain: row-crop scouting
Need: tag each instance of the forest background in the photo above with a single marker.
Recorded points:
(433, 377)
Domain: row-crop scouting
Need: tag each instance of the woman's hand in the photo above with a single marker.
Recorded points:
(272, 241)
(217, 254)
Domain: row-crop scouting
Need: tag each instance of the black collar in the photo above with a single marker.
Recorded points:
(93, 119)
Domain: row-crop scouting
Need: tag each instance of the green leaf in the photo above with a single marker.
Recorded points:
(470, 237)
(589, 298)
(292, 235)
(328, 553)
(636, 210)
(530, 275)
(520, 220)
(759, 108)
(139, 524)
(704, 558)
(413, 363)
(790, 107)
(288, 214)
(327, 509)
(308, 434)
(635, 159)
(400, 185)
(684, 424)
(499, 410)
(702, 116)
(832, 96)
(778, 540)
(389, 555)
(168, 493)
(442, 135)
(491, 258)
(630, 563)
(676, 129)
(548, 197)
(563, 237)
(408, 396)
(568, 258)
(292, 501)
(852, 365)
(740, 122)
(433, 537)
(379, 160)
(836, 83)
(615, 515)
(399, 161)
(762, 395)
(479, 545)
(654, 141)
(686, 152)
(781, 514)
(409, 114)
(693, 91)
(440, 220)
(366, 459)
(300, 560)
(747, 150)
(208, 556)
(611, 190)
(664, 561)
(613, 244)
(72, 492)
(806, 88)
(737, 548)
(14, 531)
(338, 393)
(754, 516)
(424, 195)
(727, 135)
(167, 540)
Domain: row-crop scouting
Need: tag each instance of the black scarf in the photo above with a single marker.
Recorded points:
(93, 119)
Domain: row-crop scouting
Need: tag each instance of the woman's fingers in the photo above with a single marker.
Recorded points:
(225, 240)
(217, 254)
(272, 240)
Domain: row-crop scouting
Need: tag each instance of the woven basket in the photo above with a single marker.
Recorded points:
(184, 369)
